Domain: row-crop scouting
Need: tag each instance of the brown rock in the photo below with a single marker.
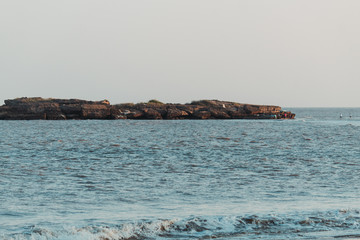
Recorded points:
(95, 111)
(115, 113)
(134, 114)
(71, 110)
(175, 113)
(219, 114)
(150, 113)
(201, 114)
(55, 109)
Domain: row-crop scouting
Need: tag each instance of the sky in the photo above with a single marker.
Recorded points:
(291, 53)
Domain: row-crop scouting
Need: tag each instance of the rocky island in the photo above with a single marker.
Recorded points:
(62, 109)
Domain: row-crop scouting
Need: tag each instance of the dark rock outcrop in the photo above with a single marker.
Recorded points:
(54, 109)
(204, 109)
(57, 109)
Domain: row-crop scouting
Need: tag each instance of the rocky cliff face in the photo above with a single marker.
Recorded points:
(56, 109)
(205, 109)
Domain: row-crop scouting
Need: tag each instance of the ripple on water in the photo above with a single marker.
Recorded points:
(121, 171)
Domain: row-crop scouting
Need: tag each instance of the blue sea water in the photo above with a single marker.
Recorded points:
(186, 179)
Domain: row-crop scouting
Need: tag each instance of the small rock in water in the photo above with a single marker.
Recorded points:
(223, 138)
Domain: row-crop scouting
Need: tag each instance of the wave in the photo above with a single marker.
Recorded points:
(296, 225)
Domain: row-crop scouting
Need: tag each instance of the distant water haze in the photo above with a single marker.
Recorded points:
(287, 53)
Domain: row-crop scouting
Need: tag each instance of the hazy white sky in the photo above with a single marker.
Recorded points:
(281, 52)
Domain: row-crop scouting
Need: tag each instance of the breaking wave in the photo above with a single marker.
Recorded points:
(296, 225)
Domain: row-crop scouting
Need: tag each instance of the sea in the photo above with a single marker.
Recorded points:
(182, 179)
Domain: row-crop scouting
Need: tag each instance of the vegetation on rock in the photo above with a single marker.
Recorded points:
(154, 101)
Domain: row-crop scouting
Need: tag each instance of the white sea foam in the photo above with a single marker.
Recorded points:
(295, 225)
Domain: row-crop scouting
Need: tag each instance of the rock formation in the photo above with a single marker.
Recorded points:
(54, 109)
(57, 109)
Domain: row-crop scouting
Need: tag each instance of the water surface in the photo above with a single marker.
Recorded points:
(186, 179)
